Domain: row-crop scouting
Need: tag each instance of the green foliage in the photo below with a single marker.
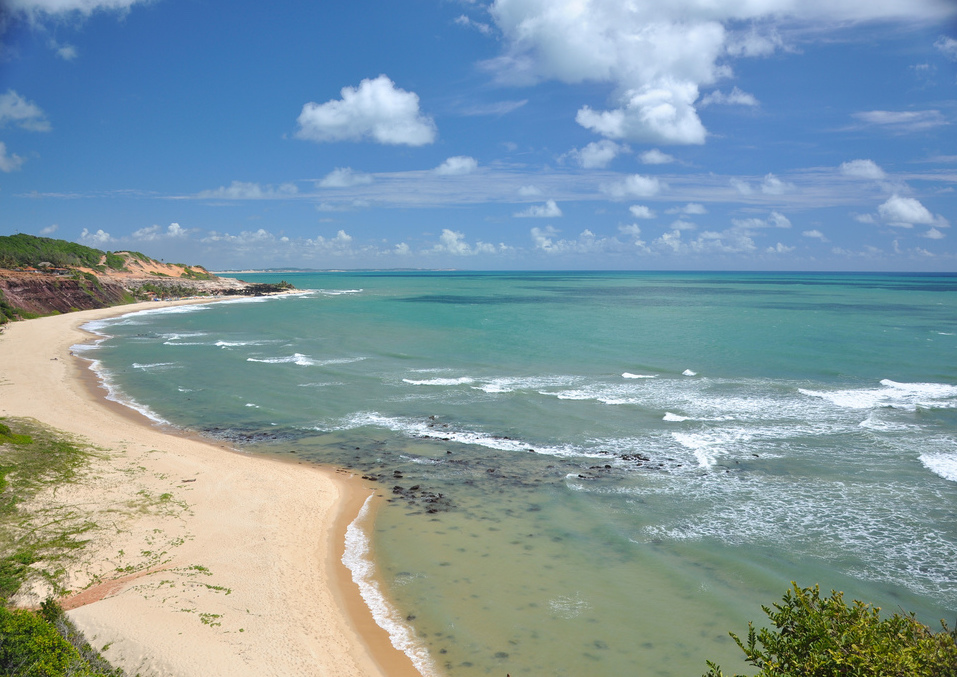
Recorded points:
(21, 250)
(47, 645)
(32, 457)
(817, 637)
(115, 262)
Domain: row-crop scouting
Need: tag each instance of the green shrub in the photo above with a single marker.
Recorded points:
(817, 637)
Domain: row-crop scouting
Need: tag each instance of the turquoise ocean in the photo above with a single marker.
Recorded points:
(591, 473)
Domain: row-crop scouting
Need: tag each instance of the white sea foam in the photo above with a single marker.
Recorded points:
(419, 428)
(254, 406)
(114, 394)
(688, 372)
(237, 344)
(338, 292)
(156, 365)
(673, 417)
(907, 396)
(629, 375)
(296, 358)
(941, 463)
(709, 445)
(518, 383)
(358, 559)
(462, 380)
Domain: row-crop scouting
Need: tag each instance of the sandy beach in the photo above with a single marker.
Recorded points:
(203, 561)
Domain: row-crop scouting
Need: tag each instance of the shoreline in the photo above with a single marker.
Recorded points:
(240, 568)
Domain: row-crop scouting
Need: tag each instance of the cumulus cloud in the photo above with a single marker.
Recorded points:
(776, 220)
(641, 212)
(546, 240)
(344, 177)
(242, 190)
(690, 209)
(815, 235)
(735, 98)
(659, 113)
(948, 46)
(906, 212)
(154, 233)
(656, 157)
(597, 154)
(11, 162)
(934, 234)
(772, 185)
(862, 169)
(529, 191)
(635, 185)
(658, 55)
(375, 110)
(731, 241)
(902, 122)
(741, 186)
(50, 230)
(458, 164)
(546, 211)
(16, 110)
(779, 248)
(99, 238)
(453, 242)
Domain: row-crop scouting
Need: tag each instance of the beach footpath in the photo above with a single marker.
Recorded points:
(200, 561)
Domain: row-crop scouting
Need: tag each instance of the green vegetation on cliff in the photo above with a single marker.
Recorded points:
(21, 251)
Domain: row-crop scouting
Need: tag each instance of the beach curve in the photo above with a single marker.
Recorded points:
(204, 561)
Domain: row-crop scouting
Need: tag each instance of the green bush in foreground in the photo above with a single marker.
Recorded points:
(46, 644)
(817, 637)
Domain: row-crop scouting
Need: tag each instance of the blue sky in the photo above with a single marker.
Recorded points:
(516, 134)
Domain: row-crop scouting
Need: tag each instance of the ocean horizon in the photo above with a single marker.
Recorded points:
(591, 472)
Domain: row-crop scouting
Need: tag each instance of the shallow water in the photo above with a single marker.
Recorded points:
(596, 473)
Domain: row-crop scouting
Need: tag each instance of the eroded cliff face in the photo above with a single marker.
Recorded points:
(42, 294)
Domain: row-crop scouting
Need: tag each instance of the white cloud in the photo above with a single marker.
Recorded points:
(641, 212)
(934, 234)
(154, 232)
(742, 187)
(681, 224)
(544, 239)
(546, 211)
(49, 230)
(659, 113)
(735, 98)
(453, 242)
(99, 238)
(656, 157)
(903, 122)
(242, 190)
(483, 28)
(690, 209)
(772, 185)
(776, 220)
(948, 46)
(597, 154)
(55, 7)
(9, 163)
(376, 110)
(779, 248)
(732, 241)
(815, 234)
(905, 212)
(341, 243)
(495, 108)
(658, 55)
(344, 177)
(862, 169)
(864, 218)
(529, 191)
(635, 185)
(14, 109)
(457, 164)
(402, 249)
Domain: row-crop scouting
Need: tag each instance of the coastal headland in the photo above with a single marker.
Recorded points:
(200, 560)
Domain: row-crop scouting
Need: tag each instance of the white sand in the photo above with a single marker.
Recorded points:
(233, 571)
